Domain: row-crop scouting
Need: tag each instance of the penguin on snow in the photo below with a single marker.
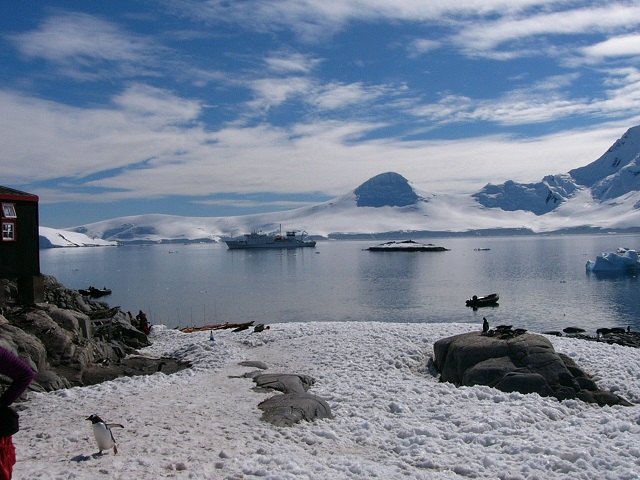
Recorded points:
(103, 434)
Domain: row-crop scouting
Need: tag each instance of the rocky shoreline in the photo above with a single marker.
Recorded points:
(74, 340)
(626, 339)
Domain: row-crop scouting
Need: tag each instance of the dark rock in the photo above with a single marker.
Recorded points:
(565, 379)
(586, 396)
(71, 340)
(565, 393)
(252, 374)
(573, 330)
(525, 383)
(49, 381)
(604, 398)
(455, 355)
(587, 384)
(284, 382)
(526, 363)
(572, 366)
(291, 408)
(28, 347)
(488, 372)
(295, 404)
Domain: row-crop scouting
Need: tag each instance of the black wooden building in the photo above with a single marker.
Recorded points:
(19, 247)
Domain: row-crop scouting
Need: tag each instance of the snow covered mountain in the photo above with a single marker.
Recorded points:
(615, 174)
(52, 238)
(602, 196)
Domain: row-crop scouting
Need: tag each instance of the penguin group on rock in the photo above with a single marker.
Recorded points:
(504, 332)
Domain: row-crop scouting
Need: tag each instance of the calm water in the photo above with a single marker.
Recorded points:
(541, 281)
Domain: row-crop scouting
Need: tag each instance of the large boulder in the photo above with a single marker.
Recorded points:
(524, 363)
(291, 408)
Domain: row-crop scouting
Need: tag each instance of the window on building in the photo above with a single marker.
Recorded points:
(9, 210)
(8, 231)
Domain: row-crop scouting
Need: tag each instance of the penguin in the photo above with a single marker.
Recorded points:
(485, 325)
(103, 434)
(211, 339)
(260, 328)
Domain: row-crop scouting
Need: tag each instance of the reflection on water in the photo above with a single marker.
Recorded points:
(542, 282)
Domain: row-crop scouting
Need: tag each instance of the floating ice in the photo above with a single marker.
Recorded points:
(622, 260)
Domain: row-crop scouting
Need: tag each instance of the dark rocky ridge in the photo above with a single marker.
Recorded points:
(72, 340)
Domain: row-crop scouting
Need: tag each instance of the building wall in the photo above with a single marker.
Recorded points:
(21, 257)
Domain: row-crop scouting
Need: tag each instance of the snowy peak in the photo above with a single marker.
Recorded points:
(386, 190)
(625, 181)
(613, 175)
(620, 160)
(538, 198)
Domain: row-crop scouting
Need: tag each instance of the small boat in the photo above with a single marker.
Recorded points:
(406, 246)
(490, 300)
(257, 239)
(236, 326)
(95, 292)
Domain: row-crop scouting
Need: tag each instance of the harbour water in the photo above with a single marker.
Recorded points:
(541, 281)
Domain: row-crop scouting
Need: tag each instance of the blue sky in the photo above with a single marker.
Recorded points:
(217, 108)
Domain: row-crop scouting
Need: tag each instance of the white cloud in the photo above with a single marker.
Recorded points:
(291, 63)
(313, 20)
(271, 92)
(420, 46)
(79, 43)
(73, 142)
(485, 37)
(336, 95)
(152, 102)
(141, 154)
(545, 101)
(623, 46)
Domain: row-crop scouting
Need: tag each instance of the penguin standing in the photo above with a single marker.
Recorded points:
(485, 325)
(103, 434)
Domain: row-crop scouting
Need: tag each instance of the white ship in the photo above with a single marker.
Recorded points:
(263, 240)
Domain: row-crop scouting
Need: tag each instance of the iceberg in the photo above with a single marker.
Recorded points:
(622, 260)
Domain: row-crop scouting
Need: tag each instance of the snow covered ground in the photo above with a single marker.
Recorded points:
(393, 420)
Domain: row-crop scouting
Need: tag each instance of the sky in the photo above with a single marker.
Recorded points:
(217, 108)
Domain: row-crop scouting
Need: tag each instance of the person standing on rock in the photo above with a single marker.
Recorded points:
(21, 376)
(144, 325)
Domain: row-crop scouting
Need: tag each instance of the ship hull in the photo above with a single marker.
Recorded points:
(241, 245)
(256, 240)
